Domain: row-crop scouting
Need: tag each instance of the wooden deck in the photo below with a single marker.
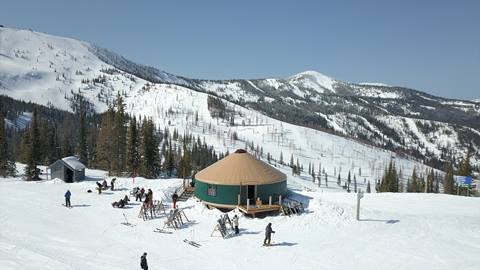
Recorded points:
(254, 209)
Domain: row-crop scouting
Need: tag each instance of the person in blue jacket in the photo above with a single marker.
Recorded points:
(67, 198)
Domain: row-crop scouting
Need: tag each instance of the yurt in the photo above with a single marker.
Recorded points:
(239, 177)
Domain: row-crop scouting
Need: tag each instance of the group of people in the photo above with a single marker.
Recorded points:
(138, 193)
(266, 241)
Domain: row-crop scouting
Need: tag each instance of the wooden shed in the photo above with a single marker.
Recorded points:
(68, 169)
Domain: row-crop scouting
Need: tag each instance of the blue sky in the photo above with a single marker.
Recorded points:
(432, 46)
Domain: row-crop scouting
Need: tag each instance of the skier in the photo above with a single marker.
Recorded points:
(143, 261)
(104, 184)
(99, 187)
(142, 191)
(67, 198)
(235, 224)
(150, 197)
(268, 234)
(112, 183)
(174, 199)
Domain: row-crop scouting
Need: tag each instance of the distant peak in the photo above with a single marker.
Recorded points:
(313, 79)
(310, 73)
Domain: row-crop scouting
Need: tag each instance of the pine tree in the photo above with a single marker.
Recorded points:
(413, 183)
(82, 139)
(313, 173)
(185, 167)
(430, 178)
(354, 183)
(33, 148)
(349, 180)
(390, 179)
(448, 181)
(7, 165)
(104, 152)
(119, 138)
(133, 157)
(465, 169)
(150, 160)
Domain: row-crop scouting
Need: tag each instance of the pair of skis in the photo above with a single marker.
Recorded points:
(192, 243)
(158, 230)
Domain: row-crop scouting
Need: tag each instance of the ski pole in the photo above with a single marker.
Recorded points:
(126, 221)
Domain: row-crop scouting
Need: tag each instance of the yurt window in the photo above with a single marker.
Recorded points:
(212, 190)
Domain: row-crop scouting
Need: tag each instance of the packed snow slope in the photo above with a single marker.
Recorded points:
(51, 70)
(396, 231)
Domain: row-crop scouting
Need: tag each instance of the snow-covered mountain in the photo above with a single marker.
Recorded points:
(50, 70)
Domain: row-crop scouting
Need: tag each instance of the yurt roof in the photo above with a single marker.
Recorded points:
(240, 168)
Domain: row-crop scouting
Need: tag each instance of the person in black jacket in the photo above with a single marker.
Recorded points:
(174, 199)
(143, 261)
(268, 234)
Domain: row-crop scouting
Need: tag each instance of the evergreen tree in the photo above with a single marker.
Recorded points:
(185, 167)
(119, 138)
(133, 156)
(313, 173)
(150, 160)
(82, 139)
(104, 152)
(349, 180)
(448, 181)
(354, 183)
(66, 146)
(7, 165)
(33, 148)
(413, 183)
(430, 178)
(465, 169)
(390, 179)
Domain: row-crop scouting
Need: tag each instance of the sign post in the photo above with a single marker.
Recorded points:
(359, 196)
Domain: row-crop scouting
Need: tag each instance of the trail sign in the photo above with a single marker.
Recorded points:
(463, 181)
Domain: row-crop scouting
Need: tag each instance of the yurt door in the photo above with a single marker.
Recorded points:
(251, 190)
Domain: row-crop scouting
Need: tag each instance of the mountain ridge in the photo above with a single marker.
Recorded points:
(50, 70)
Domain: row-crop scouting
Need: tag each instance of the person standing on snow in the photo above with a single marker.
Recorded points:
(67, 198)
(143, 261)
(112, 183)
(268, 234)
(235, 224)
(174, 199)
(149, 197)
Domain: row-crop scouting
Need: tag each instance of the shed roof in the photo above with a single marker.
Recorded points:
(74, 163)
(240, 168)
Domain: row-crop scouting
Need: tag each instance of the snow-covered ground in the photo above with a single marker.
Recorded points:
(396, 231)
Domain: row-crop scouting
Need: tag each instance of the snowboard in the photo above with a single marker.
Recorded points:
(192, 243)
